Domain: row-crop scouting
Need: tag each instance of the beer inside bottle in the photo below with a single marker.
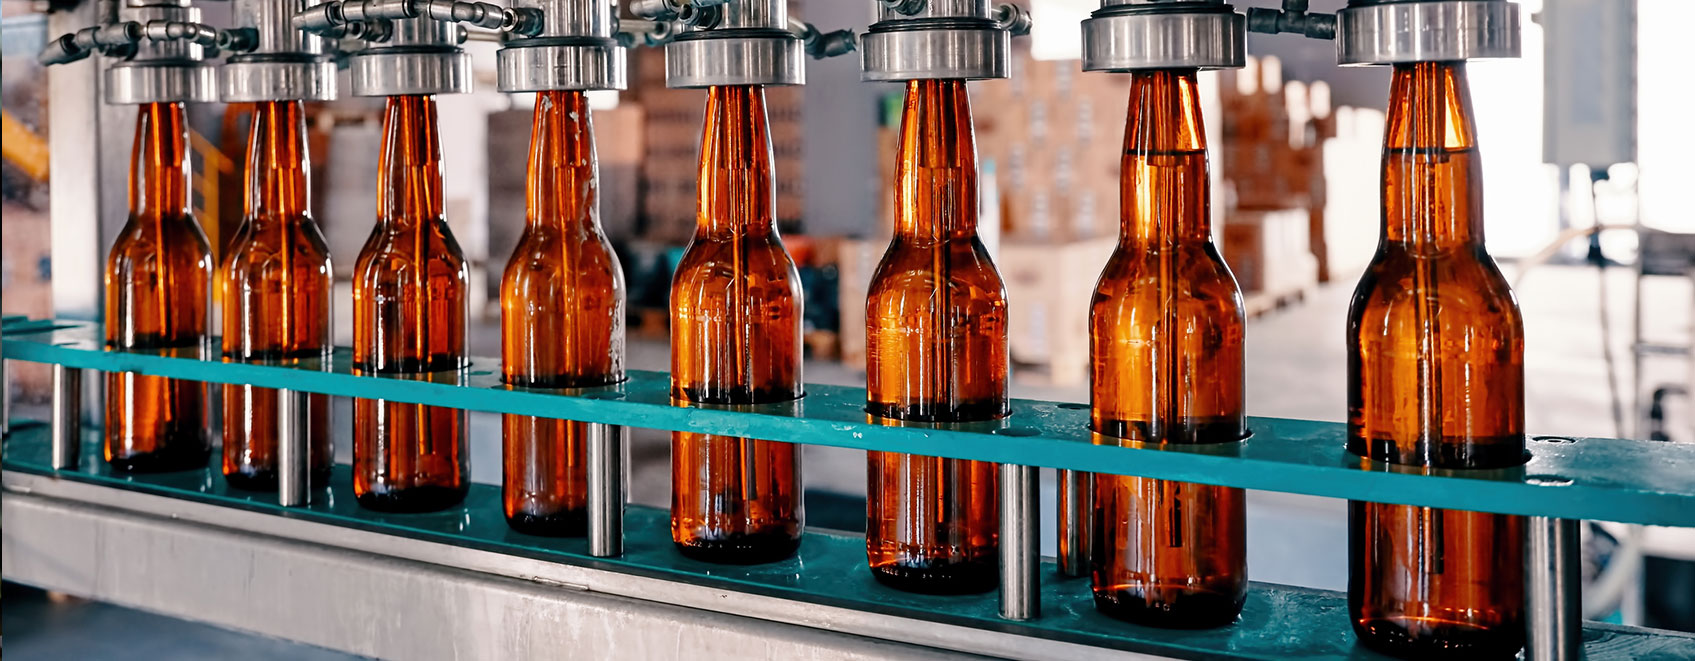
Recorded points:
(409, 318)
(562, 318)
(158, 292)
(1435, 379)
(276, 284)
(735, 340)
(936, 353)
(1166, 338)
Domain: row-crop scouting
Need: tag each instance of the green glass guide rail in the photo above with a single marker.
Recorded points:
(1640, 482)
(1278, 622)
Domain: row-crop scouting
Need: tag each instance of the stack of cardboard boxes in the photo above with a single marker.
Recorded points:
(1054, 136)
(1273, 166)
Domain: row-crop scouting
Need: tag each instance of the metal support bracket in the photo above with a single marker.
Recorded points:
(294, 451)
(606, 490)
(67, 417)
(1020, 542)
(1553, 589)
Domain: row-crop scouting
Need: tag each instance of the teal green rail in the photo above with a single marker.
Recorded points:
(1277, 622)
(1576, 478)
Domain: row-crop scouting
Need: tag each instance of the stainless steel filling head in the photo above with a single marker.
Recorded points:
(1184, 34)
(735, 57)
(932, 48)
(422, 56)
(282, 63)
(561, 64)
(254, 78)
(161, 81)
(407, 71)
(1393, 32)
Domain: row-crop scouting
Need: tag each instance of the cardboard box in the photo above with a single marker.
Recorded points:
(1048, 291)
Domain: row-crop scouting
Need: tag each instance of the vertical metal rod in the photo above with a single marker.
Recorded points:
(1020, 534)
(1553, 589)
(5, 397)
(67, 417)
(1076, 519)
(606, 490)
(294, 453)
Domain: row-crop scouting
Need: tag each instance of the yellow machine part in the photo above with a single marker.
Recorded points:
(23, 147)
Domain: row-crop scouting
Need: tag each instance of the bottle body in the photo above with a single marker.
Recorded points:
(409, 318)
(1436, 379)
(158, 294)
(1166, 338)
(275, 285)
(735, 341)
(562, 319)
(936, 336)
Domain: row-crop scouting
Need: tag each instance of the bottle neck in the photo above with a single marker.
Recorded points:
(1165, 191)
(409, 177)
(1432, 178)
(562, 182)
(277, 177)
(159, 165)
(936, 171)
(737, 194)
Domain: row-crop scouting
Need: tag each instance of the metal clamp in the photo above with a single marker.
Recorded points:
(1202, 34)
(1446, 30)
(1020, 542)
(929, 39)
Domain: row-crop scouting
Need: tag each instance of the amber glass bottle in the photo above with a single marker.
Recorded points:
(276, 285)
(409, 317)
(1435, 379)
(158, 292)
(735, 340)
(562, 318)
(1166, 333)
(936, 352)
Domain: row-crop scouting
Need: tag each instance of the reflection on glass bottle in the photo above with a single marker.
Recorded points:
(276, 285)
(1166, 332)
(158, 291)
(936, 352)
(409, 317)
(735, 340)
(1435, 378)
(562, 318)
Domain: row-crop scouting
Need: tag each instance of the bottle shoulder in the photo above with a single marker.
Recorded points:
(1460, 287)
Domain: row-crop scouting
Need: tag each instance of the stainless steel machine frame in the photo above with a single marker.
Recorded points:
(917, 39)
